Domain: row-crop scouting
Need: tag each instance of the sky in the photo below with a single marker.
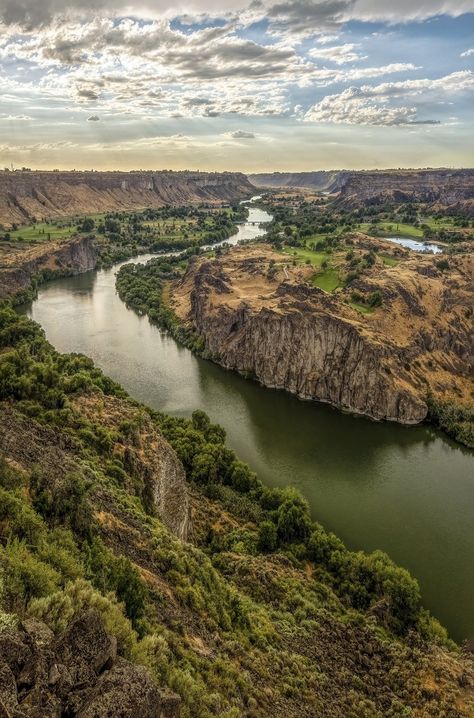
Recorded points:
(270, 85)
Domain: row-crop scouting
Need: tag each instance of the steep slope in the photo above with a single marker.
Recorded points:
(439, 188)
(275, 327)
(34, 196)
(260, 613)
(320, 181)
(74, 256)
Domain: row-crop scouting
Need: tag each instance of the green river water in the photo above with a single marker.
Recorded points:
(408, 491)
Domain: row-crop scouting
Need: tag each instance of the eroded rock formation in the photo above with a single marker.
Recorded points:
(77, 674)
(445, 189)
(34, 196)
(290, 335)
(75, 256)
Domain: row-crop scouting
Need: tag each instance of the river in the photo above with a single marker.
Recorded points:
(408, 491)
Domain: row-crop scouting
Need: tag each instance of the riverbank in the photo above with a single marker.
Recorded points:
(330, 627)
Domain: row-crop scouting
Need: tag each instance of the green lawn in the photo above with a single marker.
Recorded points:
(301, 255)
(328, 279)
(397, 230)
(39, 232)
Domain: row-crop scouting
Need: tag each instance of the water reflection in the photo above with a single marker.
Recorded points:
(409, 491)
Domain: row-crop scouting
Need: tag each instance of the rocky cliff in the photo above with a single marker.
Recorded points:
(34, 196)
(158, 475)
(319, 181)
(76, 674)
(71, 257)
(439, 188)
(292, 336)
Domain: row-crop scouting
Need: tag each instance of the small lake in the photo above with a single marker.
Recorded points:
(415, 245)
(407, 491)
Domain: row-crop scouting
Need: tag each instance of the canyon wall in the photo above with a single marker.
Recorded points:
(440, 188)
(289, 335)
(62, 258)
(265, 320)
(319, 181)
(34, 196)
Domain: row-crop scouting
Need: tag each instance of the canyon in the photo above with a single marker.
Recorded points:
(30, 196)
(451, 189)
(259, 315)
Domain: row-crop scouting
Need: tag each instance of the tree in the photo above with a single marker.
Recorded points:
(267, 537)
(293, 521)
(200, 419)
(88, 225)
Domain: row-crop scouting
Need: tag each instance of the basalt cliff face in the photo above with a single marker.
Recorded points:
(319, 181)
(72, 257)
(34, 196)
(158, 474)
(292, 336)
(438, 188)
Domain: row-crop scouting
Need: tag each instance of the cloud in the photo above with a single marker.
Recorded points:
(93, 118)
(298, 17)
(242, 135)
(339, 54)
(370, 105)
(467, 53)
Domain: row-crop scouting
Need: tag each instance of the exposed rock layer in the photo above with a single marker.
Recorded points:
(34, 196)
(77, 674)
(147, 455)
(439, 188)
(292, 336)
(75, 256)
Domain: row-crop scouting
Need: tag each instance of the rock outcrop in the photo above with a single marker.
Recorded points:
(323, 181)
(439, 188)
(290, 335)
(446, 189)
(35, 196)
(159, 476)
(74, 256)
(76, 674)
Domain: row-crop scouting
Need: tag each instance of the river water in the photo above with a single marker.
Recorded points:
(416, 246)
(408, 491)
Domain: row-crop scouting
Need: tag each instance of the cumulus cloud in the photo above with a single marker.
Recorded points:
(370, 105)
(339, 54)
(301, 17)
(468, 53)
(93, 118)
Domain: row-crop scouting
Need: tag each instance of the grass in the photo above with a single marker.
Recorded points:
(41, 232)
(392, 229)
(389, 261)
(302, 255)
(328, 279)
(362, 308)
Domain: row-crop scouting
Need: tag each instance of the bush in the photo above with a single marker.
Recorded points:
(267, 537)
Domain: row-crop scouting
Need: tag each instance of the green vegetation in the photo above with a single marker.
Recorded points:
(121, 235)
(262, 608)
(389, 261)
(311, 223)
(456, 420)
(328, 280)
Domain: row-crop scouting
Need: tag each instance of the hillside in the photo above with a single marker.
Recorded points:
(259, 611)
(397, 335)
(319, 181)
(438, 188)
(27, 197)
